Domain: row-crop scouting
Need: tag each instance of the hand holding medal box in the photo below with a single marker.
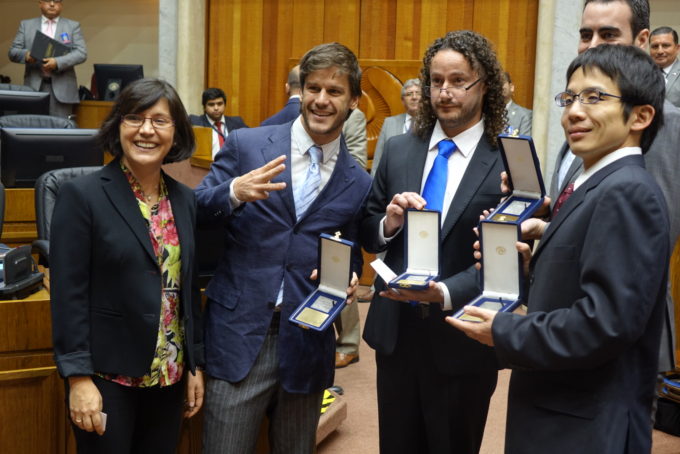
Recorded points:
(319, 309)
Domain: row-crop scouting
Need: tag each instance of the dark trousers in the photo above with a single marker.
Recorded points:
(422, 410)
(139, 420)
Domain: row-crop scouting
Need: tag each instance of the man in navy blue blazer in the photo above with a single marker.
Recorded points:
(292, 108)
(275, 189)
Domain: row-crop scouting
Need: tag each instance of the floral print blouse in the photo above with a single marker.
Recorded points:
(168, 362)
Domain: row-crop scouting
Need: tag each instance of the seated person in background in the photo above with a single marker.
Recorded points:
(292, 108)
(398, 124)
(214, 103)
(585, 356)
(519, 118)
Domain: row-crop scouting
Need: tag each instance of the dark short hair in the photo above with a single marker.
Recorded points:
(332, 54)
(639, 79)
(639, 9)
(665, 30)
(137, 97)
(479, 53)
(212, 93)
(507, 77)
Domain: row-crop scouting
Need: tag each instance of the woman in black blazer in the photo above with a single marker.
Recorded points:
(125, 310)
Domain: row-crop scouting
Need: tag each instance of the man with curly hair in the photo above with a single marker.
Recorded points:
(433, 383)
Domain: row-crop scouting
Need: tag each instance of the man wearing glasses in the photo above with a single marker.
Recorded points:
(584, 357)
(433, 383)
(399, 124)
(54, 75)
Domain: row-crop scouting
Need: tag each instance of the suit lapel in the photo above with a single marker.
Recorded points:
(417, 155)
(118, 191)
(278, 144)
(477, 170)
(673, 74)
(580, 194)
(340, 180)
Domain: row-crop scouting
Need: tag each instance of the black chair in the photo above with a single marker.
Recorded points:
(46, 191)
(36, 121)
(15, 87)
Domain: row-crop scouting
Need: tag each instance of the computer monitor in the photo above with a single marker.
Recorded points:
(13, 102)
(111, 79)
(27, 153)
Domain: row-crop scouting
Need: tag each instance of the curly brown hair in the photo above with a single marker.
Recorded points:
(479, 53)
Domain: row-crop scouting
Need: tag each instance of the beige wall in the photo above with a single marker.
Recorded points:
(120, 31)
(665, 12)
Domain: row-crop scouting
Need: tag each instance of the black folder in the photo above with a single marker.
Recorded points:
(46, 47)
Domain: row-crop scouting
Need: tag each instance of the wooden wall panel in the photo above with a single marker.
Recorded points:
(251, 44)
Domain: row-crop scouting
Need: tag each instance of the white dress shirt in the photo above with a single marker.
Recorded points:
(215, 135)
(466, 144)
(604, 162)
(44, 26)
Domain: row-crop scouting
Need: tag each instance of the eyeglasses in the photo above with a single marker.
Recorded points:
(458, 91)
(136, 121)
(50, 1)
(412, 94)
(587, 96)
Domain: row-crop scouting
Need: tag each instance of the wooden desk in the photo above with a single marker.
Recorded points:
(91, 114)
(33, 412)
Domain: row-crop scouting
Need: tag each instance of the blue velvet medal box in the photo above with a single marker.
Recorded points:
(524, 177)
(421, 233)
(319, 309)
(502, 275)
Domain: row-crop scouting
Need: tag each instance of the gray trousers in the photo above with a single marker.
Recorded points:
(234, 411)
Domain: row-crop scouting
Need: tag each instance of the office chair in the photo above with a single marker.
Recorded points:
(46, 191)
(36, 121)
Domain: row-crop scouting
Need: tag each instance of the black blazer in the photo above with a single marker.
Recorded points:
(585, 356)
(231, 123)
(401, 169)
(105, 279)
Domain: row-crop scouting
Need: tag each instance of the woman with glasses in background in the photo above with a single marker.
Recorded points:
(125, 313)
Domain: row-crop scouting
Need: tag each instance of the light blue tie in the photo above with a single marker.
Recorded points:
(306, 193)
(435, 185)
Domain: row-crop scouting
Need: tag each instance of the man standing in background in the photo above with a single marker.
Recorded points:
(54, 75)
(664, 50)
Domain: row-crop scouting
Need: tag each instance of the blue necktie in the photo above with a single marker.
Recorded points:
(306, 193)
(435, 185)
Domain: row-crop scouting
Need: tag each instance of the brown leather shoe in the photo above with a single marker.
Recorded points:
(345, 359)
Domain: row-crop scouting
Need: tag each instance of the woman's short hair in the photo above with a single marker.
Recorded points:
(137, 97)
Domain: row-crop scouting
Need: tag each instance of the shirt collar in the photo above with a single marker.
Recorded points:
(44, 20)
(304, 142)
(210, 120)
(605, 161)
(466, 141)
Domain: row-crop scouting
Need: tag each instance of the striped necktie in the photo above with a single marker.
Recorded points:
(435, 185)
(306, 193)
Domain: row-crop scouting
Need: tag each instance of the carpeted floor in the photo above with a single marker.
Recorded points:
(358, 434)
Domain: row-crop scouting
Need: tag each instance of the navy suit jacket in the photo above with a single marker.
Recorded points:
(289, 113)
(400, 170)
(265, 244)
(106, 283)
(585, 356)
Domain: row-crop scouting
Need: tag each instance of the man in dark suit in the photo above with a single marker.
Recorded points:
(54, 75)
(585, 356)
(664, 49)
(292, 108)
(273, 213)
(214, 103)
(433, 383)
(626, 22)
